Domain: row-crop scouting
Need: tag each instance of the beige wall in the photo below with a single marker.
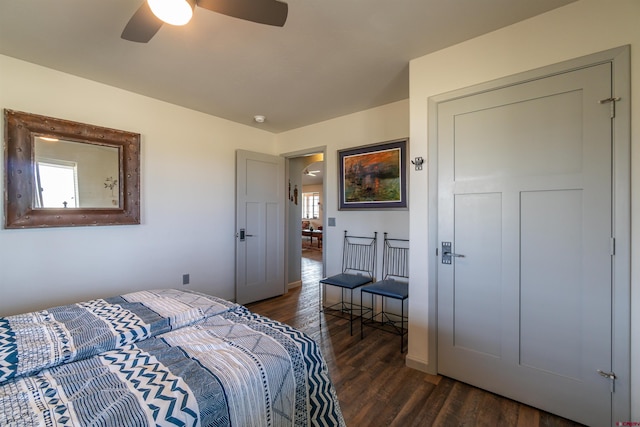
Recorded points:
(188, 199)
(187, 193)
(380, 124)
(579, 29)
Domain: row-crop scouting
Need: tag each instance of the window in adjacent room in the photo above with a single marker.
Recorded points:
(310, 205)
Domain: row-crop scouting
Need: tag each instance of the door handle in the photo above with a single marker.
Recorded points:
(453, 254)
(447, 254)
(242, 235)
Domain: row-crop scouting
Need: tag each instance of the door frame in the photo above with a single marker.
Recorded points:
(287, 220)
(619, 58)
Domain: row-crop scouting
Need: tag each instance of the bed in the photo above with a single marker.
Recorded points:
(163, 357)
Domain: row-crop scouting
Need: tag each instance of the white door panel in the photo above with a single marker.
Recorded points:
(260, 226)
(478, 230)
(524, 193)
(523, 133)
(552, 278)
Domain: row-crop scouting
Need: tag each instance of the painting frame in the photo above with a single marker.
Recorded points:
(373, 176)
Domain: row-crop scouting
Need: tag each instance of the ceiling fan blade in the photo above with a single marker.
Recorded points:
(142, 26)
(269, 12)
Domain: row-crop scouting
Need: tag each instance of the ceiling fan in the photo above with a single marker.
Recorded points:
(310, 173)
(148, 19)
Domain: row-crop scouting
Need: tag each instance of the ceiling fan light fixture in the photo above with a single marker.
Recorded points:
(174, 12)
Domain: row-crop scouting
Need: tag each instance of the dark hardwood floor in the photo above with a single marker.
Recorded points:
(375, 387)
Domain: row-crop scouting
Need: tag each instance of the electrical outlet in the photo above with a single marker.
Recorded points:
(185, 279)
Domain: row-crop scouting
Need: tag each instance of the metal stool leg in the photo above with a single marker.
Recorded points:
(351, 314)
(401, 326)
(321, 291)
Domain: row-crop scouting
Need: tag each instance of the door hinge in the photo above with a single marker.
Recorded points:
(612, 248)
(610, 376)
(611, 101)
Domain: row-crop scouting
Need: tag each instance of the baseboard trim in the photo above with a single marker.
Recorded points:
(420, 365)
(295, 284)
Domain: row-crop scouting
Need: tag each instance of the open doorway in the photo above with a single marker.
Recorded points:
(312, 218)
(306, 219)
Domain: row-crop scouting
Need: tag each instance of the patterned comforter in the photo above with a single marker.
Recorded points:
(33, 341)
(208, 363)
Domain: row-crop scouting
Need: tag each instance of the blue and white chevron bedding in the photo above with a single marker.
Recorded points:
(232, 369)
(37, 340)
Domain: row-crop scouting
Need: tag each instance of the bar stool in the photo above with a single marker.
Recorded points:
(358, 269)
(394, 285)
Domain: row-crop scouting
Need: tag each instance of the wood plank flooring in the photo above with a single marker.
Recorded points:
(375, 387)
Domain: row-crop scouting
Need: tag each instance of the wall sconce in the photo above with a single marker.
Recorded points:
(418, 163)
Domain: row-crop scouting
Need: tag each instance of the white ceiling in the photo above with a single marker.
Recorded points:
(332, 57)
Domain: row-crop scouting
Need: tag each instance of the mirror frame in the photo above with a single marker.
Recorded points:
(20, 131)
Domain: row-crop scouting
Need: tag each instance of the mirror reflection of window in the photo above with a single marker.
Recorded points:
(95, 174)
(57, 184)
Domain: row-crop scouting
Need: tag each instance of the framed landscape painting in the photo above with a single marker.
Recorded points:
(374, 176)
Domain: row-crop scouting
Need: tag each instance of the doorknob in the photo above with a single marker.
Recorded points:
(447, 254)
(243, 234)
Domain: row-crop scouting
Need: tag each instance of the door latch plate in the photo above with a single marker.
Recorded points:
(446, 252)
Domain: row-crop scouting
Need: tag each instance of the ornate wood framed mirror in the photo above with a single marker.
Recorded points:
(60, 173)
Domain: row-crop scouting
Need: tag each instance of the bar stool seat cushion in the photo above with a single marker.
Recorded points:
(389, 288)
(344, 280)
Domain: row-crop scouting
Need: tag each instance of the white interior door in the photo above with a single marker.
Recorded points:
(524, 194)
(259, 226)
